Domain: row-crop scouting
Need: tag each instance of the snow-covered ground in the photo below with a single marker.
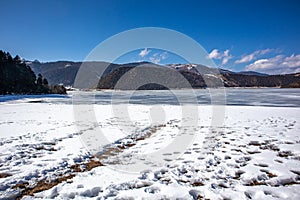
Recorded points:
(255, 154)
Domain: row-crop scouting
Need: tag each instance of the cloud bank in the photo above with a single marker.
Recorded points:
(279, 64)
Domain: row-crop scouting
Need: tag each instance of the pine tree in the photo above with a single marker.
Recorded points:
(17, 59)
(39, 80)
(45, 82)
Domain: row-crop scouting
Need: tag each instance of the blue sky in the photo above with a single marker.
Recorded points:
(238, 35)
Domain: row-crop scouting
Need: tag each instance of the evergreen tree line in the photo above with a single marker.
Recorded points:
(17, 78)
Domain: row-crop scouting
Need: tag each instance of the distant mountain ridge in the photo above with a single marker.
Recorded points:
(64, 72)
(60, 72)
(252, 73)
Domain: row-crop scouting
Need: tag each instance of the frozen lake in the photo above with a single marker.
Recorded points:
(276, 97)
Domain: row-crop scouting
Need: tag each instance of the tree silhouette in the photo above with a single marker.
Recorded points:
(39, 80)
(17, 77)
(45, 82)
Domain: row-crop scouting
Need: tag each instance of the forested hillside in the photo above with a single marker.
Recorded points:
(18, 78)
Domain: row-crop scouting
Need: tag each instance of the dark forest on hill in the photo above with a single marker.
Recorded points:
(17, 78)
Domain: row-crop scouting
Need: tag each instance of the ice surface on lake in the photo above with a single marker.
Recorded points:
(274, 97)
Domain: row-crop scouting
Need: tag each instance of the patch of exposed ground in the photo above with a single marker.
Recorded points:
(42, 185)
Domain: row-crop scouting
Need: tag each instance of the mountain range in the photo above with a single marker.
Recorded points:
(107, 75)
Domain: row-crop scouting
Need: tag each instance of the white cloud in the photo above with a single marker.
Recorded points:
(164, 55)
(144, 52)
(245, 59)
(225, 60)
(279, 64)
(253, 56)
(292, 61)
(216, 54)
(226, 52)
(156, 58)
